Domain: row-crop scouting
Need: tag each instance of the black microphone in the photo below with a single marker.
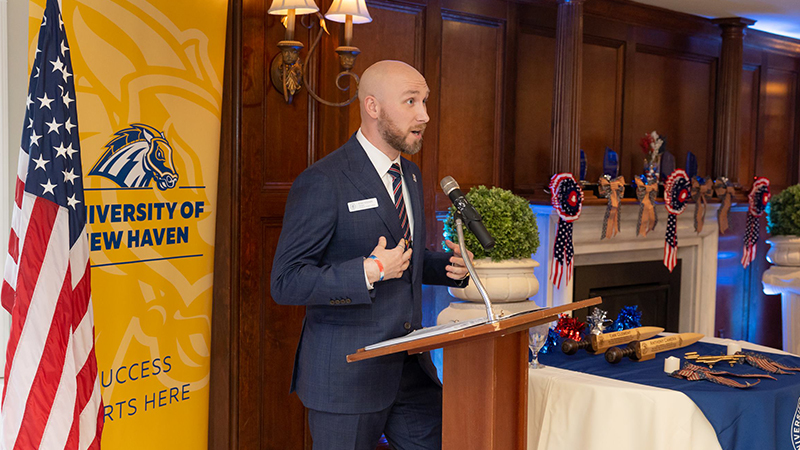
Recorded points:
(468, 213)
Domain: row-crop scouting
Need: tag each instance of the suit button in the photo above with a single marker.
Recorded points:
(347, 300)
(407, 326)
(332, 302)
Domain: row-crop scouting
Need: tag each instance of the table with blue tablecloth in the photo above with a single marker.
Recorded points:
(583, 402)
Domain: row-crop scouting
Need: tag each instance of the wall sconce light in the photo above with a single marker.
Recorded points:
(286, 70)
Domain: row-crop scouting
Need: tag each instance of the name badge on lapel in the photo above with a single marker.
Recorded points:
(361, 205)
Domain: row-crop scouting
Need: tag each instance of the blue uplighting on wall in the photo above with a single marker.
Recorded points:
(777, 24)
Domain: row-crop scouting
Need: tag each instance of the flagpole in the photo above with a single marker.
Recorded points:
(10, 170)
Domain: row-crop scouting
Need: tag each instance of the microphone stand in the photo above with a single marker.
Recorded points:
(472, 273)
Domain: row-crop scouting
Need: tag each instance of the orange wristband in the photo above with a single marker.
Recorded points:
(380, 265)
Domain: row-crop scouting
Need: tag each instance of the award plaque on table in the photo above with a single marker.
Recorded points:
(485, 376)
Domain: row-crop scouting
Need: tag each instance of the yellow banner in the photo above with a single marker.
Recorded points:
(148, 77)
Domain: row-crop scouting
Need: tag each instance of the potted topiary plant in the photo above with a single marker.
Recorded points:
(783, 224)
(506, 272)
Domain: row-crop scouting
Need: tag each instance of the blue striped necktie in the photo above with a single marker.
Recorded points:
(399, 203)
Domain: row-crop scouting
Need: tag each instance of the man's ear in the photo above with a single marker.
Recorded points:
(372, 107)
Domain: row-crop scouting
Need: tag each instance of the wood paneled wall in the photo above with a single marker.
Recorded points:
(636, 78)
(489, 65)
(770, 140)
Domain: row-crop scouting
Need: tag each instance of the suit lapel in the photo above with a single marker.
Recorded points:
(365, 178)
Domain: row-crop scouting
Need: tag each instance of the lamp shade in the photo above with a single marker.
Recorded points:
(282, 7)
(340, 9)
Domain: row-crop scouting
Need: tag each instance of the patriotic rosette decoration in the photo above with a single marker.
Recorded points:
(758, 199)
(567, 198)
(677, 193)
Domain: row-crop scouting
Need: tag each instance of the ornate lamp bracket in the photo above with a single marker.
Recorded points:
(287, 72)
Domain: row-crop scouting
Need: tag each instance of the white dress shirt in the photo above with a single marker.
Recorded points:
(382, 163)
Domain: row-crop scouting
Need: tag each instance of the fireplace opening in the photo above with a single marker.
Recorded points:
(648, 284)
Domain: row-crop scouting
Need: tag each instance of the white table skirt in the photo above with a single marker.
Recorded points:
(573, 410)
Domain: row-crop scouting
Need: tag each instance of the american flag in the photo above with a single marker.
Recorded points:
(692, 372)
(566, 196)
(757, 203)
(677, 193)
(51, 396)
(750, 240)
(671, 242)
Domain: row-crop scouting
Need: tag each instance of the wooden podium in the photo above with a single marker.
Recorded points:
(485, 401)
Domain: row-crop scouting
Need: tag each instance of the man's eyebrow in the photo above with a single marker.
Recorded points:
(411, 92)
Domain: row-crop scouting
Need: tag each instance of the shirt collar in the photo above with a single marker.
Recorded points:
(379, 159)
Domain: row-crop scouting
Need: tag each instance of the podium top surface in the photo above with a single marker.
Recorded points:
(499, 328)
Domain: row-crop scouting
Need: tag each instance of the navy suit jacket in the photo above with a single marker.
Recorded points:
(319, 264)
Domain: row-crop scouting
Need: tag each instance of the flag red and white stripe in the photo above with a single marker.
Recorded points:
(757, 203)
(51, 395)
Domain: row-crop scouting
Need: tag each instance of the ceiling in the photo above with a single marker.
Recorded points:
(774, 16)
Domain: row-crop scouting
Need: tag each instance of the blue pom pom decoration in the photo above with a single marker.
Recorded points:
(552, 343)
(629, 317)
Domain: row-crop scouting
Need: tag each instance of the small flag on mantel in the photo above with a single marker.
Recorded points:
(566, 196)
(677, 193)
(757, 200)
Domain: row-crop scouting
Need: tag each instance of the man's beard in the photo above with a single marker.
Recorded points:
(395, 138)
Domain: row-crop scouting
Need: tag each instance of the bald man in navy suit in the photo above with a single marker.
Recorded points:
(352, 250)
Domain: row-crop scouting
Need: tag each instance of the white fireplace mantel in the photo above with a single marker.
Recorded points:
(697, 251)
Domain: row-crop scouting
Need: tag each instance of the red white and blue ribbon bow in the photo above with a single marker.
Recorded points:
(677, 193)
(692, 372)
(758, 199)
(567, 198)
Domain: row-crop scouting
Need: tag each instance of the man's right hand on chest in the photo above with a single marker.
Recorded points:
(393, 261)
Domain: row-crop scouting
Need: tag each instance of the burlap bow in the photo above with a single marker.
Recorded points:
(613, 190)
(646, 193)
(724, 192)
(700, 193)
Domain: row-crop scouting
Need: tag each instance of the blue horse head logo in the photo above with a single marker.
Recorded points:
(136, 155)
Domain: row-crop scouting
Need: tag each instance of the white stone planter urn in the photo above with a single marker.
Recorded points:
(784, 278)
(784, 250)
(505, 281)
